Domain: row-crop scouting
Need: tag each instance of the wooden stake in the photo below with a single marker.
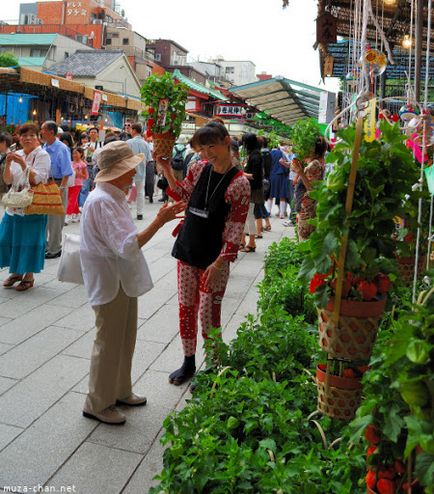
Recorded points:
(348, 210)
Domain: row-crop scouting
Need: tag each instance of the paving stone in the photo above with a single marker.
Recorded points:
(36, 297)
(42, 448)
(143, 423)
(5, 348)
(161, 267)
(82, 347)
(31, 397)
(83, 386)
(162, 326)
(76, 297)
(25, 358)
(172, 357)
(4, 320)
(152, 464)
(29, 324)
(230, 331)
(151, 302)
(7, 434)
(82, 319)
(96, 469)
(6, 383)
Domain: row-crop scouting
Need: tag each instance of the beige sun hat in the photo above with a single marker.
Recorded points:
(116, 159)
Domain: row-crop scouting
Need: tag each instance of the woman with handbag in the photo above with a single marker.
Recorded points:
(22, 237)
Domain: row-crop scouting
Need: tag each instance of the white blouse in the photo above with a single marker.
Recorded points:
(109, 251)
(39, 162)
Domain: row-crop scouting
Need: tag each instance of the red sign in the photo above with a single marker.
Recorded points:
(97, 96)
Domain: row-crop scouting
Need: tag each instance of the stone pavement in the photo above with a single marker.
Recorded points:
(46, 336)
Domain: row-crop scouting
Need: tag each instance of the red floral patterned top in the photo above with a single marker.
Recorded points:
(237, 195)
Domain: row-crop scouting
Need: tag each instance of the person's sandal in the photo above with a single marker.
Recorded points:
(242, 246)
(25, 285)
(267, 228)
(247, 248)
(10, 282)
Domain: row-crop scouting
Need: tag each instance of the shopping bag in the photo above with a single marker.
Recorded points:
(47, 199)
(69, 270)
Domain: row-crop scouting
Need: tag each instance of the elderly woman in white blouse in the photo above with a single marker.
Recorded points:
(115, 273)
(22, 237)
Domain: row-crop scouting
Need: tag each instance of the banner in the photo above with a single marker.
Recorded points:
(97, 96)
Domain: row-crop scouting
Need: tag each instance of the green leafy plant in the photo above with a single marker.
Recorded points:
(8, 60)
(385, 174)
(165, 99)
(303, 136)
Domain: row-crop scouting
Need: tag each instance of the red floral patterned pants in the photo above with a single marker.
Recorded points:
(196, 300)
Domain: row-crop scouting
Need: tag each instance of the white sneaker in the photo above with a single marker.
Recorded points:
(75, 218)
(111, 415)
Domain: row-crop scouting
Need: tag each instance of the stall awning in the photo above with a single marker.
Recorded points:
(281, 98)
(199, 88)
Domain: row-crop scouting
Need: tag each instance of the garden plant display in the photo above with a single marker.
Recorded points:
(165, 100)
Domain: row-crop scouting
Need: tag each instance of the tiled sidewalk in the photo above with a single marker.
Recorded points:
(46, 336)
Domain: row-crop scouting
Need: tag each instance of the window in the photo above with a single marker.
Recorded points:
(38, 52)
(108, 41)
(66, 54)
(115, 35)
(230, 70)
(157, 57)
(125, 41)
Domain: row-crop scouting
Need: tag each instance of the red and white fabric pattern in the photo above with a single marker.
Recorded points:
(197, 301)
(237, 195)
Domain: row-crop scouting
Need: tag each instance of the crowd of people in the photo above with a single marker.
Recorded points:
(226, 189)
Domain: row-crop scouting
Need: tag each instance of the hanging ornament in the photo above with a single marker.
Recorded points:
(375, 60)
(407, 112)
(351, 78)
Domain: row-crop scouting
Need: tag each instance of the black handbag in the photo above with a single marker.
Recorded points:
(162, 183)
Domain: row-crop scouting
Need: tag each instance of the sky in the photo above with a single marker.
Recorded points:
(279, 41)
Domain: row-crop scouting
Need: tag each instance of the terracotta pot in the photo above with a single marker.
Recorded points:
(163, 144)
(406, 268)
(337, 381)
(353, 336)
(339, 397)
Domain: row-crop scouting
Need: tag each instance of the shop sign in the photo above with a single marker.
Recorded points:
(232, 110)
(55, 82)
(97, 97)
(75, 9)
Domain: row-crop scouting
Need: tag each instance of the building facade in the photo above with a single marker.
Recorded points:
(238, 72)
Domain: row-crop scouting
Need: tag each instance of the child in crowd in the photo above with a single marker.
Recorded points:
(79, 166)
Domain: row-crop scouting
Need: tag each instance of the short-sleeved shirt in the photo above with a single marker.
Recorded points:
(139, 145)
(60, 156)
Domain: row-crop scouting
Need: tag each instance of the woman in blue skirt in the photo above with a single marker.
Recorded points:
(22, 237)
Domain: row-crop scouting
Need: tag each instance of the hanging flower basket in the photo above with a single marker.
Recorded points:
(354, 335)
(406, 268)
(165, 100)
(163, 143)
(338, 397)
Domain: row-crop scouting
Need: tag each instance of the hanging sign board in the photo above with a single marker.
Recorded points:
(97, 96)
(371, 120)
(55, 82)
(326, 29)
(429, 174)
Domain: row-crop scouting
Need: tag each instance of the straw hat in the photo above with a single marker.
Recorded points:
(116, 159)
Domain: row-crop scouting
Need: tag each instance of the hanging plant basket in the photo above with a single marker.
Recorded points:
(406, 268)
(163, 144)
(338, 397)
(354, 335)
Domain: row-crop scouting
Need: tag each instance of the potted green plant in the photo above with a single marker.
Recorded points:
(165, 100)
(303, 136)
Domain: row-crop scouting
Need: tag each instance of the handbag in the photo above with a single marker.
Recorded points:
(18, 199)
(162, 183)
(69, 270)
(47, 199)
(71, 180)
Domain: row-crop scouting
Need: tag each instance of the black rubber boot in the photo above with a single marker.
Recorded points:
(185, 372)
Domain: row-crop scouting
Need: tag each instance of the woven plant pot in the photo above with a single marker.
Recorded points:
(406, 268)
(354, 335)
(338, 397)
(163, 144)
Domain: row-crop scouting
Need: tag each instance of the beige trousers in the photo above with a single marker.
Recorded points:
(112, 353)
(55, 226)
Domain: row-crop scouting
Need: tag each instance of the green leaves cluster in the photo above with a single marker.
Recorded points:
(399, 391)
(303, 136)
(385, 176)
(8, 60)
(157, 88)
(246, 429)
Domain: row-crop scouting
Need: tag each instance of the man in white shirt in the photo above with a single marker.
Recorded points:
(115, 273)
(139, 145)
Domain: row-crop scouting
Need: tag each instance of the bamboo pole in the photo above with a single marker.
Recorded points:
(348, 210)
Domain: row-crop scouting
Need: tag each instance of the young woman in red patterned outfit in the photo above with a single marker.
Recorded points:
(218, 197)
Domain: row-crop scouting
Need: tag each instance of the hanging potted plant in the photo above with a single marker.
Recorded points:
(384, 175)
(165, 100)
